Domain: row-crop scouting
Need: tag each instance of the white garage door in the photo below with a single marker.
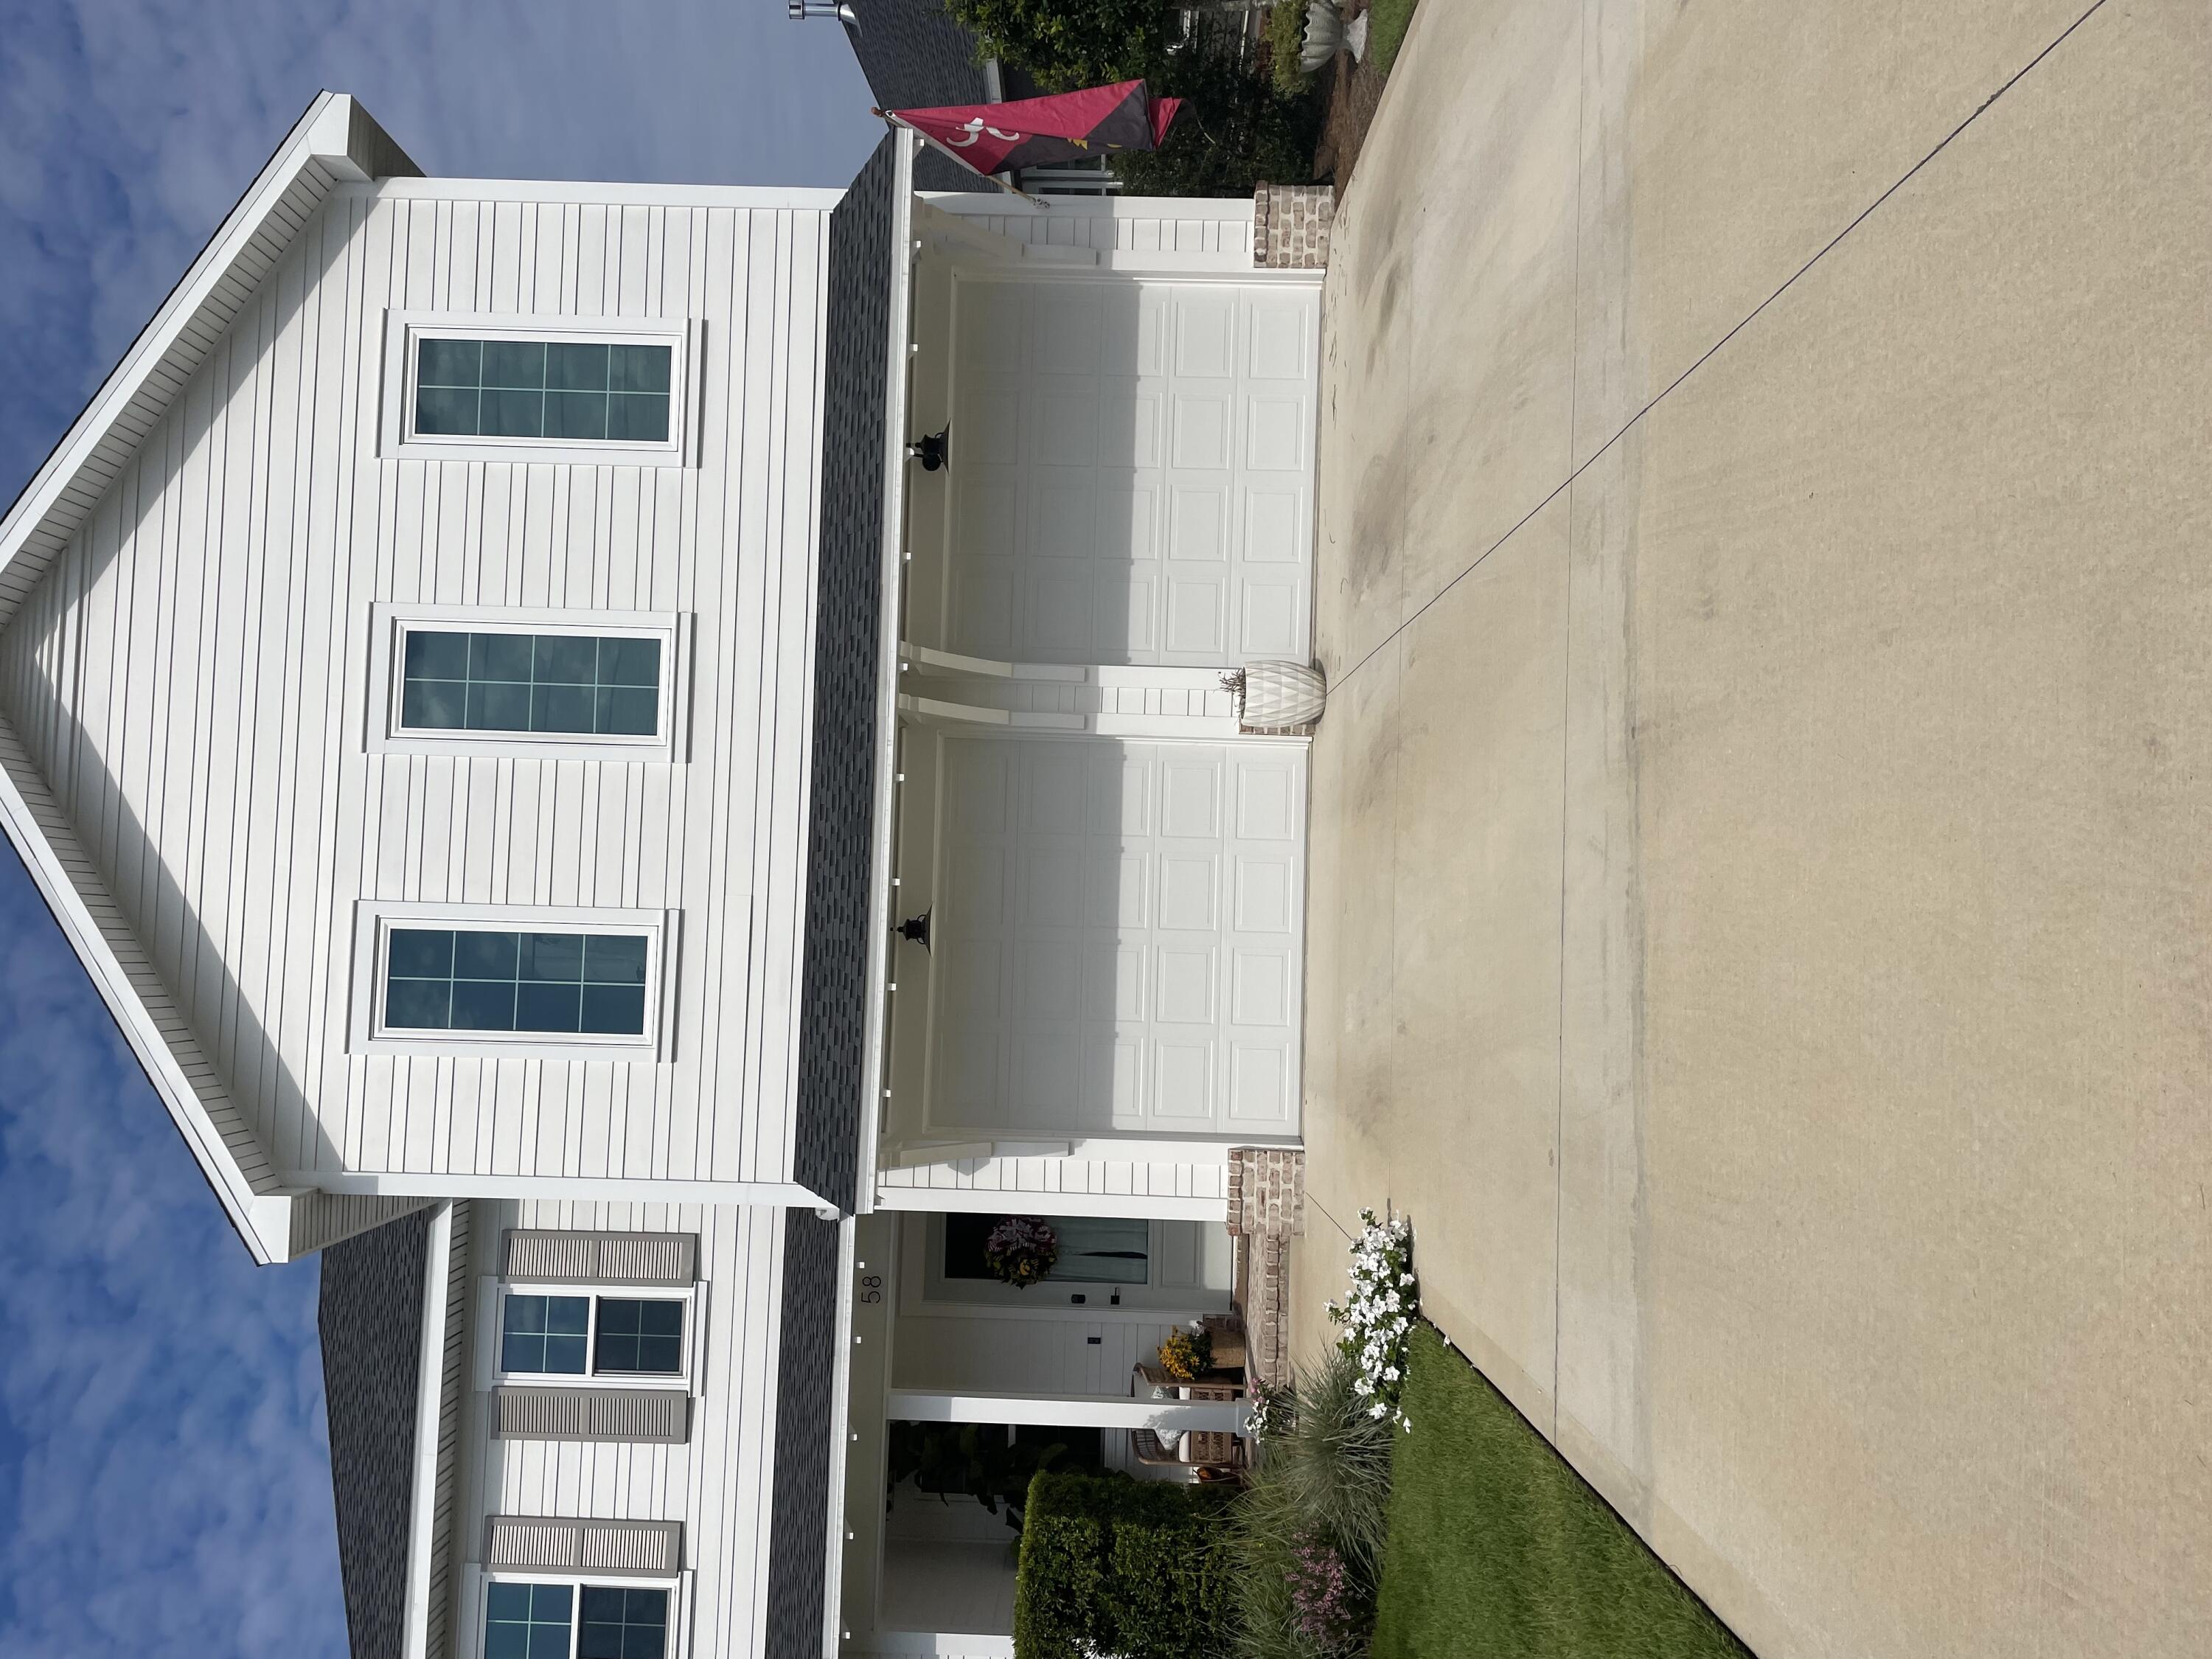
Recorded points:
(1117, 937)
(1132, 471)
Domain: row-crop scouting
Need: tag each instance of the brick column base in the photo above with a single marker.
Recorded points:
(1267, 1210)
(1290, 225)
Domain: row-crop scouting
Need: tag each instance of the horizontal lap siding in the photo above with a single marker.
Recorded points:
(1132, 226)
(191, 679)
(718, 1484)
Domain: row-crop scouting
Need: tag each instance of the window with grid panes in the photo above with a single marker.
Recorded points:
(581, 393)
(572, 685)
(440, 979)
(554, 1335)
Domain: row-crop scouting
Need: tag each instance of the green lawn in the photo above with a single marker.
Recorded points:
(1388, 22)
(1498, 1548)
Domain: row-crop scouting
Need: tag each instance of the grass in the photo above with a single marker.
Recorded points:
(1388, 22)
(1496, 1547)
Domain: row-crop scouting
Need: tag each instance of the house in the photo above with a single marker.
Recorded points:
(479, 686)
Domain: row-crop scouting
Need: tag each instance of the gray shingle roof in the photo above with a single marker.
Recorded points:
(915, 57)
(848, 606)
(370, 1317)
(799, 1555)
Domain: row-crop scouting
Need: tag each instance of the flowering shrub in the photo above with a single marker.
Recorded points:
(1186, 1354)
(1378, 1312)
(1325, 1603)
(1274, 1410)
(1021, 1249)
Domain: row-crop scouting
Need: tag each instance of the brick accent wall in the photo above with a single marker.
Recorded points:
(1290, 225)
(1267, 1210)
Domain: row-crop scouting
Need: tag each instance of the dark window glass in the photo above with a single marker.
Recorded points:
(527, 1621)
(576, 685)
(544, 1333)
(476, 980)
(641, 1337)
(510, 388)
(623, 1624)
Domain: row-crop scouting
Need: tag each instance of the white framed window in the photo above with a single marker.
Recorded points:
(586, 1335)
(542, 981)
(602, 1616)
(513, 680)
(461, 386)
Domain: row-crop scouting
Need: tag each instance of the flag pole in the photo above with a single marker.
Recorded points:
(891, 116)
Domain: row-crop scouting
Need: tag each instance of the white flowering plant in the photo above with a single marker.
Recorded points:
(1378, 1314)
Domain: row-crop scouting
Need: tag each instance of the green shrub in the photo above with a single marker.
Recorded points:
(1135, 1568)
(1286, 38)
(1067, 44)
(1235, 129)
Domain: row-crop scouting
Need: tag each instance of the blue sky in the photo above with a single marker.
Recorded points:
(164, 1485)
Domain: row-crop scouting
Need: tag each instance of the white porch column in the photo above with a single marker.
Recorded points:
(1070, 1411)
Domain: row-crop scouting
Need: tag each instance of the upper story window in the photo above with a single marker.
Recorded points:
(585, 392)
(460, 386)
(599, 684)
(546, 981)
(466, 979)
(552, 1335)
(540, 1621)
(502, 679)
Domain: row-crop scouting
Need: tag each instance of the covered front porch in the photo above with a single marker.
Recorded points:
(961, 1386)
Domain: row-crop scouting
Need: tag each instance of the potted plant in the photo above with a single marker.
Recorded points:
(1187, 1355)
(1021, 1250)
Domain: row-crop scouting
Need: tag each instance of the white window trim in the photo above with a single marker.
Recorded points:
(402, 329)
(491, 1295)
(374, 920)
(389, 622)
(480, 1577)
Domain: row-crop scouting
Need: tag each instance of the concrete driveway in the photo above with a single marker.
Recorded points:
(1761, 907)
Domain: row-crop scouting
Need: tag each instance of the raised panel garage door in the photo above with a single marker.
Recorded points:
(1132, 471)
(1118, 937)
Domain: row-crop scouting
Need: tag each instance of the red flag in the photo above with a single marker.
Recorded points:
(1032, 132)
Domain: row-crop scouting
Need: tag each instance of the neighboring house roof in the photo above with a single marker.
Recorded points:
(334, 141)
(371, 1322)
(916, 57)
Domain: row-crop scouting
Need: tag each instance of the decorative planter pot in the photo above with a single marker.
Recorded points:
(1274, 695)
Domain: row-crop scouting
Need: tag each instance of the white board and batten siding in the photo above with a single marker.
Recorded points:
(1218, 231)
(1195, 1187)
(191, 678)
(717, 1484)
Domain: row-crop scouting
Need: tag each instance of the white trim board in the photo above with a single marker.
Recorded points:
(805, 198)
(780, 1194)
(968, 1200)
(423, 1543)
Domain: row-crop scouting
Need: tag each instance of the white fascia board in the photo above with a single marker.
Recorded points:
(588, 193)
(422, 1541)
(608, 1189)
(841, 1439)
(976, 1200)
(879, 926)
(336, 136)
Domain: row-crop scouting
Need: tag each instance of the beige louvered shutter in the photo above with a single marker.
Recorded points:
(548, 1543)
(547, 1256)
(649, 1416)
